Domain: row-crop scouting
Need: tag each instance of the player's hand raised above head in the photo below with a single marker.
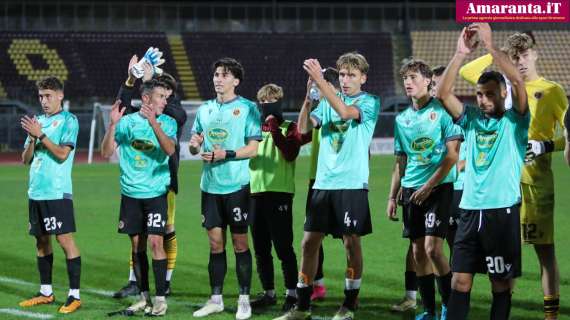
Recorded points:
(484, 32)
(467, 42)
(132, 62)
(313, 68)
(116, 112)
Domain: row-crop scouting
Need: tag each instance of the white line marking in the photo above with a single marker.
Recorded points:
(19, 313)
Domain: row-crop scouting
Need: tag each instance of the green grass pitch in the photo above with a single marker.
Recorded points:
(105, 253)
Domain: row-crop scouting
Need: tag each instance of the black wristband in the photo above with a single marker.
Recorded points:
(42, 136)
(548, 146)
(230, 154)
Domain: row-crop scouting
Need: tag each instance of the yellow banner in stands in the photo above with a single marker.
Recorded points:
(20, 49)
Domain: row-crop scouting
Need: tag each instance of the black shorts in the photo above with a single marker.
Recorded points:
(143, 216)
(50, 217)
(455, 211)
(488, 241)
(221, 210)
(432, 217)
(339, 212)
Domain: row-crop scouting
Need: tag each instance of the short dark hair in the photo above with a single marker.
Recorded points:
(169, 80)
(231, 65)
(331, 75)
(492, 76)
(49, 83)
(438, 71)
(148, 86)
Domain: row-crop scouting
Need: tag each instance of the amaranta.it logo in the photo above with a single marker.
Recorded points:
(422, 144)
(218, 135)
(512, 11)
(142, 145)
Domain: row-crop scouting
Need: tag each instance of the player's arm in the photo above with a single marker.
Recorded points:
(395, 184)
(245, 152)
(34, 128)
(520, 101)
(108, 145)
(461, 166)
(473, 70)
(420, 195)
(127, 89)
(28, 153)
(344, 111)
(445, 90)
(288, 144)
(305, 121)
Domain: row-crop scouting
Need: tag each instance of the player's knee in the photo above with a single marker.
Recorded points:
(310, 245)
(432, 251)
(501, 285)
(156, 243)
(419, 253)
(43, 245)
(461, 283)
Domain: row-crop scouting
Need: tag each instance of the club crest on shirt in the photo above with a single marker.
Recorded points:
(432, 116)
(538, 95)
(236, 112)
(55, 123)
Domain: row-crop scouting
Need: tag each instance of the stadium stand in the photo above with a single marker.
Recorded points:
(93, 64)
(437, 47)
(279, 58)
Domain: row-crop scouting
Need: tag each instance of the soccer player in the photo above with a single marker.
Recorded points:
(331, 76)
(459, 171)
(145, 140)
(339, 205)
(426, 143)
(488, 236)
(173, 109)
(547, 104)
(272, 185)
(49, 150)
(228, 129)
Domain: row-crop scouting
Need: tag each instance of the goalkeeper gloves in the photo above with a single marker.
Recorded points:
(152, 56)
(536, 148)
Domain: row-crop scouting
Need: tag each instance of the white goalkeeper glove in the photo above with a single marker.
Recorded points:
(537, 148)
(154, 57)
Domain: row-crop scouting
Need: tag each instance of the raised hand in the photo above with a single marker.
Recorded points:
(116, 112)
(483, 30)
(313, 68)
(467, 42)
(31, 126)
(147, 111)
(132, 62)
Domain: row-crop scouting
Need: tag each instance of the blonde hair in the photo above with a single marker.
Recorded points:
(353, 60)
(269, 92)
(518, 43)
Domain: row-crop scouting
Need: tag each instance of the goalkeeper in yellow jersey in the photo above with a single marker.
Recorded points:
(548, 103)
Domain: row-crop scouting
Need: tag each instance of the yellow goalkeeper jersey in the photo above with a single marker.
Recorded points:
(547, 102)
